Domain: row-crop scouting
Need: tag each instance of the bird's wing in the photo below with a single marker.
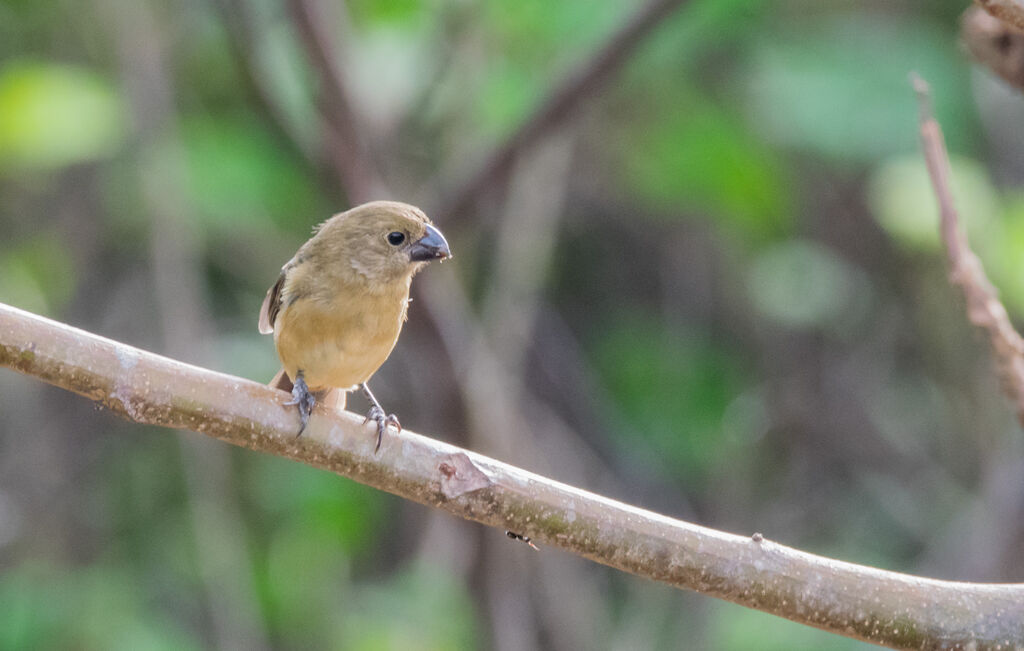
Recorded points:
(271, 306)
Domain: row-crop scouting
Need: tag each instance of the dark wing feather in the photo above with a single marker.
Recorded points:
(271, 305)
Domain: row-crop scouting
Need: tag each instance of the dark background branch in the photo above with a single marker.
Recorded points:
(984, 308)
(562, 101)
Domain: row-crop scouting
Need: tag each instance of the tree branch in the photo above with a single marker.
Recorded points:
(995, 43)
(1010, 12)
(346, 142)
(983, 306)
(874, 605)
(562, 100)
(243, 40)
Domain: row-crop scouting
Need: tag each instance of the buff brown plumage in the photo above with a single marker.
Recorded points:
(339, 304)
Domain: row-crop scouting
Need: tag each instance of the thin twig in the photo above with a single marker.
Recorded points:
(562, 101)
(242, 38)
(882, 607)
(983, 306)
(345, 138)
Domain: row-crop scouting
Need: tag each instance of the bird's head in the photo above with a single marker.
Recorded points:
(383, 241)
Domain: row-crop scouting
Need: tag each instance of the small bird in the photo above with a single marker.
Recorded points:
(338, 306)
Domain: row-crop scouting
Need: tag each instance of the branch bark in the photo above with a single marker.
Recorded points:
(1010, 12)
(984, 308)
(883, 607)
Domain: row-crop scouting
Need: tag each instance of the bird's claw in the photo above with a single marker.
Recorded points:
(305, 400)
(383, 420)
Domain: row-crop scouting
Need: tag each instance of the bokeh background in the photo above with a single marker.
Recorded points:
(714, 290)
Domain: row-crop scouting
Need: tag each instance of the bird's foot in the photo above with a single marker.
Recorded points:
(383, 420)
(378, 414)
(305, 400)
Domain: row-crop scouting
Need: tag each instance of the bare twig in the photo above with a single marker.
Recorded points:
(1010, 12)
(243, 39)
(874, 605)
(561, 102)
(983, 306)
(345, 138)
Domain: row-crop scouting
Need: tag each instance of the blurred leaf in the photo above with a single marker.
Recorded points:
(507, 93)
(687, 152)
(248, 353)
(801, 284)
(735, 628)
(28, 617)
(908, 411)
(530, 45)
(348, 513)
(902, 200)
(839, 88)
(678, 48)
(241, 179)
(747, 418)
(53, 115)
(288, 78)
(421, 608)
(387, 12)
(540, 33)
(19, 287)
(306, 581)
(37, 276)
(390, 68)
(95, 608)
(674, 388)
(537, 43)
(1004, 253)
(685, 149)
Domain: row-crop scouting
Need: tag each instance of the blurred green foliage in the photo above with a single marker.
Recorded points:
(673, 390)
(690, 152)
(747, 254)
(97, 607)
(38, 274)
(525, 43)
(238, 178)
(901, 197)
(800, 284)
(419, 608)
(836, 85)
(739, 629)
(52, 115)
(344, 513)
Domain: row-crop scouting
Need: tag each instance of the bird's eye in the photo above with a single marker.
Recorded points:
(395, 238)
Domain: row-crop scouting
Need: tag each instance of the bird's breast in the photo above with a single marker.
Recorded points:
(340, 342)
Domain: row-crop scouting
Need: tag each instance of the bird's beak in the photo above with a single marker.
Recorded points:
(431, 246)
